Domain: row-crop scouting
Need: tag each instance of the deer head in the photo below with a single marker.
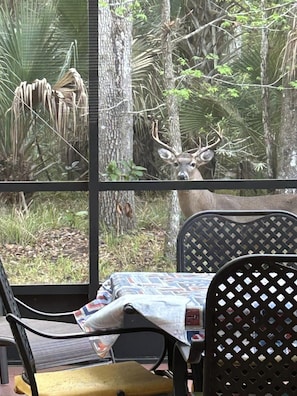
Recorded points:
(186, 163)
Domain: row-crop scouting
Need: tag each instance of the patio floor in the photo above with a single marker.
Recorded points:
(7, 390)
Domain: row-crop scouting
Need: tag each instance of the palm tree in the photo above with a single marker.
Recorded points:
(33, 47)
(66, 104)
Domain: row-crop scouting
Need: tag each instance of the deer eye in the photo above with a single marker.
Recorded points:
(193, 164)
(175, 164)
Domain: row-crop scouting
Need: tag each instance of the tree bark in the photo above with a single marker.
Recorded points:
(173, 127)
(268, 135)
(115, 108)
(288, 130)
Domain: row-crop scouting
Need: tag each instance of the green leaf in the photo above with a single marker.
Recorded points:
(225, 70)
(192, 73)
(293, 84)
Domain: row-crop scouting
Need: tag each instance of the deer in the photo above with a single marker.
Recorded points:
(187, 164)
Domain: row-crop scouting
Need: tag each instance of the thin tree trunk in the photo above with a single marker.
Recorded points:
(115, 108)
(173, 126)
(268, 135)
(288, 130)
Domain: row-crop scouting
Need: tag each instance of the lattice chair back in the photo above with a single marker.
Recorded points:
(209, 239)
(18, 331)
(251, 328)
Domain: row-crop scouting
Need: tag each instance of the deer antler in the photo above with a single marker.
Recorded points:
(200, 149)
(155, 135)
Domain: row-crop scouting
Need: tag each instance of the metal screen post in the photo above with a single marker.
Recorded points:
(93, 150)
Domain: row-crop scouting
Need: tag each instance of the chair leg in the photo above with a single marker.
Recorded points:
(197, 373)
(4, 365)
(180, 374)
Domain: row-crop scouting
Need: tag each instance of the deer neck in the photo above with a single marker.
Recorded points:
(193, 201)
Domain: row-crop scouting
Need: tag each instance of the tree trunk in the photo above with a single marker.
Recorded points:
(173, 127)
(115, 108)
(268, 135)
(288, 130)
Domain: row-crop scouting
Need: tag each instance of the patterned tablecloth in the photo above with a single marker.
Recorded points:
(172, 301)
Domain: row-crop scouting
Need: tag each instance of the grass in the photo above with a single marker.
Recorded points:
(141, 250)
(45, 213)
(49, 243)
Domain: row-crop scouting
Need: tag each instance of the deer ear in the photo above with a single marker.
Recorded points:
(166, 155)
(206, 156)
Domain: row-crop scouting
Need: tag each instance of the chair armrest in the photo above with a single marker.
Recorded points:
(102, 332)
(45, 314)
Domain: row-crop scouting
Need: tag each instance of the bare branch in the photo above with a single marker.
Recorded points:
(199, 30)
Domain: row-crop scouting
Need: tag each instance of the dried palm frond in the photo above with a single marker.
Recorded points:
(66, 103)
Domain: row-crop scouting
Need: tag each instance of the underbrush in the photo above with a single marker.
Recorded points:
(48, 244)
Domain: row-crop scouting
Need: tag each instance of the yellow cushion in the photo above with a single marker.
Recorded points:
(105, 380)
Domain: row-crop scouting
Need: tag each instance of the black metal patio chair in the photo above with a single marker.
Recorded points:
(251, 328)
(250, 346)
(209, 239)
(121, 379)
(44, 349)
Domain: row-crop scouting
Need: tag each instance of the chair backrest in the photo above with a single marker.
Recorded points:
(20, 336)
(209, 239)
(251, 328)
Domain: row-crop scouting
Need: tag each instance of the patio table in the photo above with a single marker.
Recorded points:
(171, 301)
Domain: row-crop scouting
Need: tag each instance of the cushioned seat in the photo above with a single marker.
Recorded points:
(107, 380)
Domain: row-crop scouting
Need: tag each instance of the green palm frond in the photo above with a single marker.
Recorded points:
(73, 26)
(29, 45)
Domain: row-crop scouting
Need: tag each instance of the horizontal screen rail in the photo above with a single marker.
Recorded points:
(162, 185)
(147, 185)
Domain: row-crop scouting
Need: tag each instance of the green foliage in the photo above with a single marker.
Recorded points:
(225, 70)
(73, 218)
(180, 93)
(223, 80)
(124, 9)
(233, 92)
(212, 56)
(293, 84)
(138, 11)
(192, 73)
(126, 171)
(113, 172)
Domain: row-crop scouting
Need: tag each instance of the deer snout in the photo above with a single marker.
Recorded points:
(183, 176)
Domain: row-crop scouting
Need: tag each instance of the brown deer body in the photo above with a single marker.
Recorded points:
(187, 165)
(193, 201)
